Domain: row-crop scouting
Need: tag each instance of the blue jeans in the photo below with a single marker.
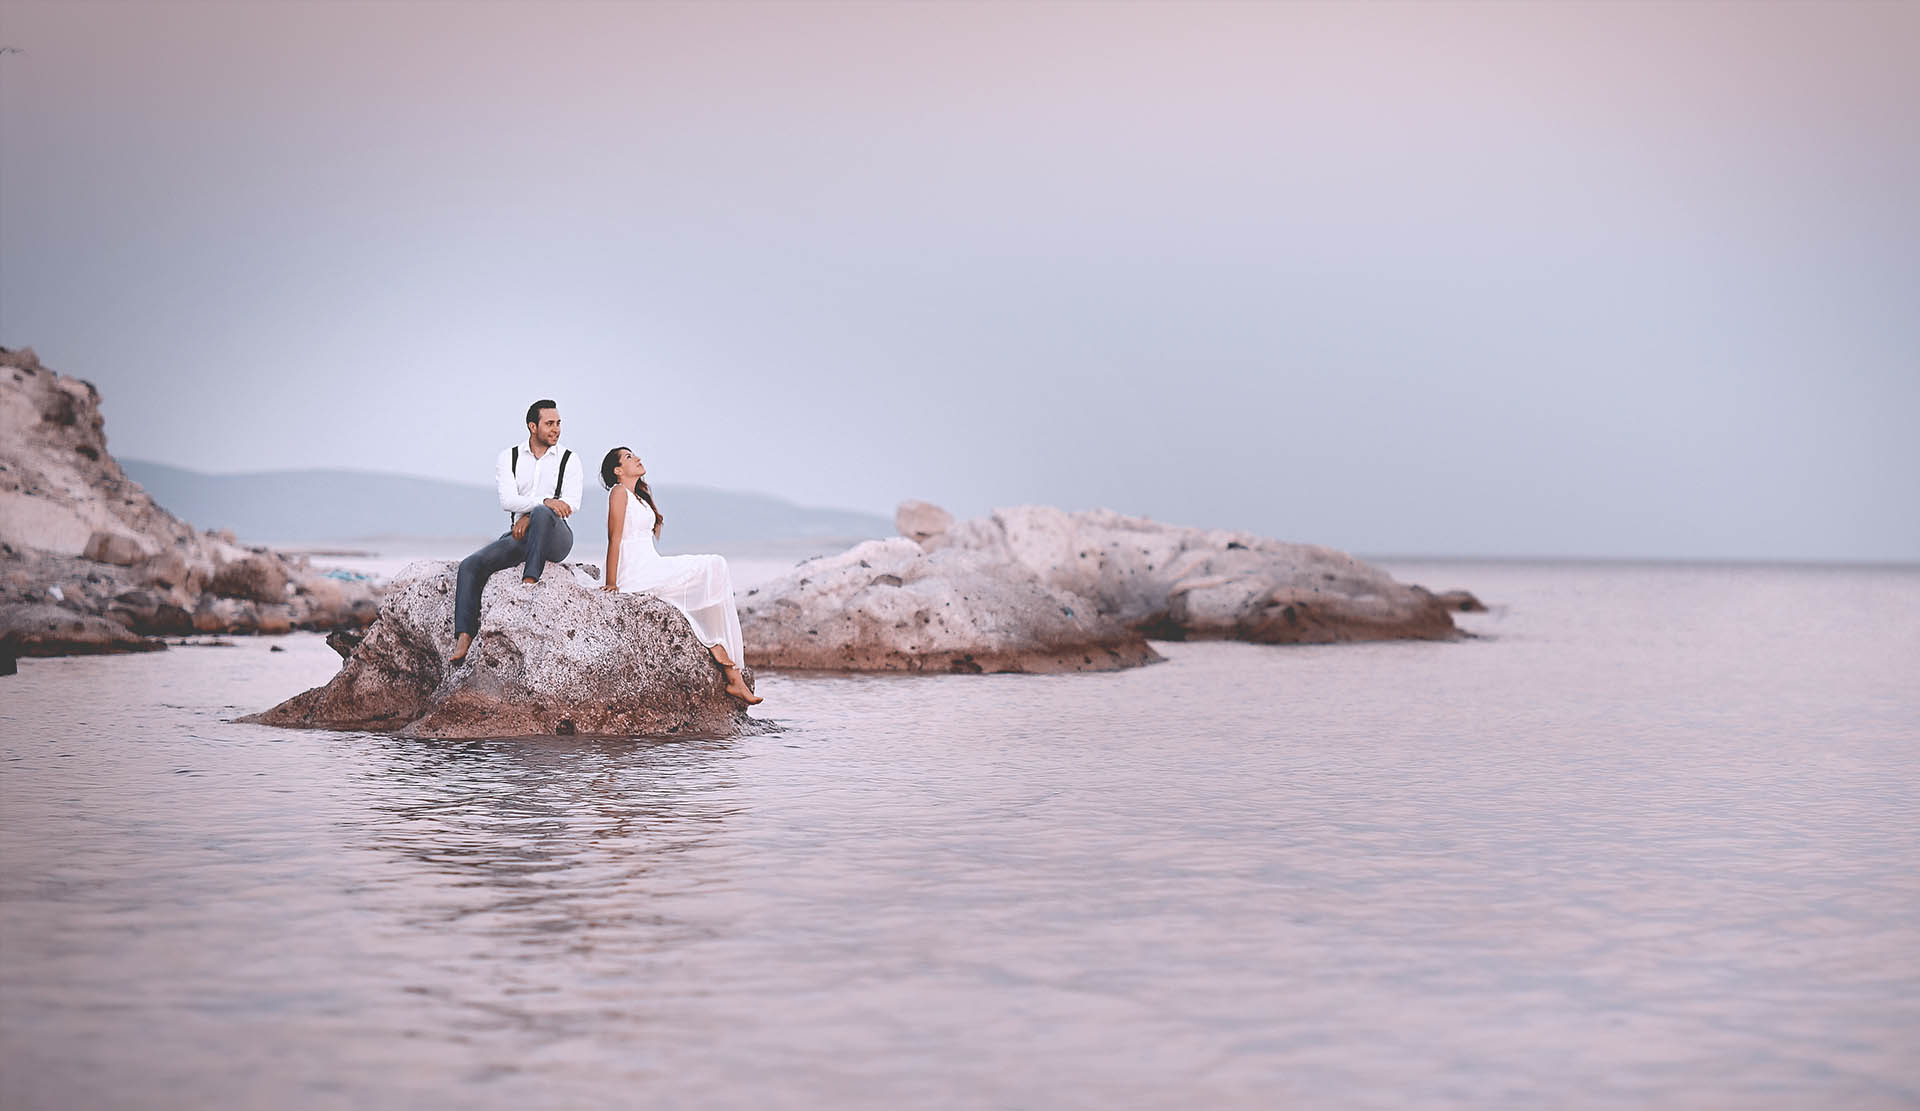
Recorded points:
(548, 539)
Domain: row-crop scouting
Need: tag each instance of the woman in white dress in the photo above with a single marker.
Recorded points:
(697, 585)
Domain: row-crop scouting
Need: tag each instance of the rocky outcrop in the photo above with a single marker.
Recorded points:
(77, 534)
(1173, 583)
(1043, 590)
(890, 605)
(46, 629)
(555, 657)
(1040, 589)
(921, 521)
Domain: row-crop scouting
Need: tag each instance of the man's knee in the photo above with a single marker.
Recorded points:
(543, 513)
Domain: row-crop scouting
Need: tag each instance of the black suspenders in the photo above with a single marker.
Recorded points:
(559, 482)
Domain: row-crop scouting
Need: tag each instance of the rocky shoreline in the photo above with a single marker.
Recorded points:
(90, 563)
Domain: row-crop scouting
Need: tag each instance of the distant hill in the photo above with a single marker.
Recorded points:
(356, 505)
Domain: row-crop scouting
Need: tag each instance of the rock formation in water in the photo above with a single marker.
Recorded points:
(555, 657)
(1174, 583)
(1040, 589)
(890, 605)
(79, 537)
(49, 629)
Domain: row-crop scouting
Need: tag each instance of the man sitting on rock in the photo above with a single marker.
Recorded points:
(540, 533)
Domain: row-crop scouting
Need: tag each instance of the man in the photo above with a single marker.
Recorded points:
(539, 487)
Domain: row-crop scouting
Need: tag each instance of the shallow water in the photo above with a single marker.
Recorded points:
(1653, 840)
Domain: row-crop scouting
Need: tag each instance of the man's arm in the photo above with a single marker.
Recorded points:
(571, 486)
(511, 499)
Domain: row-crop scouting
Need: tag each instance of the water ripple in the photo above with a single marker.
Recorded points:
(1651, 841)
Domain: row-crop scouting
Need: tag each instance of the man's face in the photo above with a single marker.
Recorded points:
(546, 430)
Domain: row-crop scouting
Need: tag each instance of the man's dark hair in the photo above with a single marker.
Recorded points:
(533, 410)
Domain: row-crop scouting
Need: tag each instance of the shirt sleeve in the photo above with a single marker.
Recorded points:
(570, 487)
(511, 499)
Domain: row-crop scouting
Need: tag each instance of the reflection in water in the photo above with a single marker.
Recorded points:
(510, 808)
(532, 862)
(1652, 842)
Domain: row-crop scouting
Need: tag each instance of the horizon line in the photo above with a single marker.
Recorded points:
(1746, 561)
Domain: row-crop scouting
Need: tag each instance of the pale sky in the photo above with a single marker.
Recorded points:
(1618, 279)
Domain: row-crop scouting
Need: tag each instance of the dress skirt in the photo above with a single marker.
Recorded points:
(696, 585)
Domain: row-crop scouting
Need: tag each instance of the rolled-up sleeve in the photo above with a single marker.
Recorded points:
(511, 499)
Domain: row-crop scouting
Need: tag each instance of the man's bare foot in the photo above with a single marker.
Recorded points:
(460, 645)
(524, 581)
(737, 687)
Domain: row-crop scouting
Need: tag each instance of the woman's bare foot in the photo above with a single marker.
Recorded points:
(736, 682)
(460, 645)
(737, 687)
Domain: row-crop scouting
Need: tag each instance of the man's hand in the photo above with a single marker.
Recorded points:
(560, 509)
(520, 527)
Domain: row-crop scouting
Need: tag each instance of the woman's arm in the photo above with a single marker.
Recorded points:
(616, 522)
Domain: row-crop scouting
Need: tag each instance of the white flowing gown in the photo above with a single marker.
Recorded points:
(696, 585)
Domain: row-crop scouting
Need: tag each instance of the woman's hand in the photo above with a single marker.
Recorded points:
(610, 588)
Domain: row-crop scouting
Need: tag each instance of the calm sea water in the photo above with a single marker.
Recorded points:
(1652, 841)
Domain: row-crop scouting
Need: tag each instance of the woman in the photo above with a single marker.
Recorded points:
(696, 585)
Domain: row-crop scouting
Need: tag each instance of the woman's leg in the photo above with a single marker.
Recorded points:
(736, 682)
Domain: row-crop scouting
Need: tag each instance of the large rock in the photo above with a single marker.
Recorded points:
(117, 548)
(60, 489)
(173, 572)
(71, 520)
(921, 521)
(255, 578)
(45, 629)
(889, 605)
(1173, 582)
(555, 657)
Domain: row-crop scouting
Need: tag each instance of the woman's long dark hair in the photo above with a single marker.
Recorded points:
(640, 488)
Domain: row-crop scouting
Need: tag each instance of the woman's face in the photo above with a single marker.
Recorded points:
(629, 466)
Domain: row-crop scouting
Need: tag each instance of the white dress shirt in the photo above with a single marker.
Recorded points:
(526, 488)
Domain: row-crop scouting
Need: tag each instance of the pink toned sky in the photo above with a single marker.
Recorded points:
(1525, 279)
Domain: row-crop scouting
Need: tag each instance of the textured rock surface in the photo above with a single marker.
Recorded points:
(555, 657)
(889, 605)
(77, 534)
(255, 578)
(921, 521)
(45, 629)
(1172, 582)
(114, 547)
